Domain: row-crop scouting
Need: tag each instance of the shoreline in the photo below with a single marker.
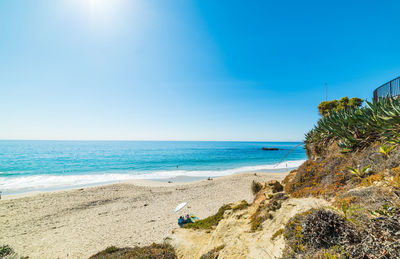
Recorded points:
(174, 179)
(77, 223)
(163, 182)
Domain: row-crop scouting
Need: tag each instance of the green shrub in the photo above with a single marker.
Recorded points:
(154, 251)
(277, 233)
(327, 107)
(256, 187)
(242, 205)
(111, 249)
(213, 253)
(357, 128)
(324, 229)
(211, 221)
(360, 172)
(5, 250)
(385, 149)
(355, 102)
(319, 233)
(386, 210)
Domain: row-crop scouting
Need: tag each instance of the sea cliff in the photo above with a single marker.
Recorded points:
(343, 202)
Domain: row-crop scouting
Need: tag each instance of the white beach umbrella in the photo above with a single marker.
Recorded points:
(180, 206)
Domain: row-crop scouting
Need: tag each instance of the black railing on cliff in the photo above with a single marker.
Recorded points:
(390, 89)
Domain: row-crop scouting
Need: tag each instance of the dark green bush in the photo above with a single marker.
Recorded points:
(242, 205)
(5, 250)
(256, 187)
(154, 251)
(327, 107)
(213, 253)
(319, 232)
(111, 249)
(211, 221)
(324, 229)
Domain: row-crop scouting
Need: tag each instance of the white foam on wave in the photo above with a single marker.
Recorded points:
(53, 182)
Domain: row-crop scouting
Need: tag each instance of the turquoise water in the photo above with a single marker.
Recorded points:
(47, 165)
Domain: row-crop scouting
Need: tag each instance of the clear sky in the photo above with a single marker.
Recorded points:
(187, 70)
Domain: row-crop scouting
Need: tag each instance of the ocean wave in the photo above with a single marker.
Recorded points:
(53, 182)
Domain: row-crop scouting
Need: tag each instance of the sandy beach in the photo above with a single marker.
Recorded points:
(78, 223)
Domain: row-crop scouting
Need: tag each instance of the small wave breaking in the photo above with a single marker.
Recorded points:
(14, 185)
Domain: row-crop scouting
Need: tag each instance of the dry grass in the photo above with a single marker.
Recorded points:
(367, 217)
(155, 251)
(370, 180)
(241, 206)
(277, 233)
(318, 179)
(213, 254)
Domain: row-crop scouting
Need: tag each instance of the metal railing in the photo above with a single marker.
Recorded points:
(390, 89)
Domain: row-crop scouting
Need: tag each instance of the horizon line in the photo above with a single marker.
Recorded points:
(149, 140)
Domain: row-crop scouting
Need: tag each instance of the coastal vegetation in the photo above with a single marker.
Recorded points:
(154, 251)
(353, 166)
(7, 252)
(353, 163)
(272, 196)
(213, 220)
(321, 232)
(378, 121)
(343, 202)
(214, 253)
(328, 107)
(242, 205)
(255, 187)
(209, 222)
(360, 172)
(385, 149)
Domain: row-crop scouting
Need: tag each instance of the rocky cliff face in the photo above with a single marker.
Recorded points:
(330, 208)
(251, 232)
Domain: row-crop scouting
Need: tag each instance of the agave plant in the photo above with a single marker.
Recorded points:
(356, 128)
(384, 149)
(386, 210)
(360, 172)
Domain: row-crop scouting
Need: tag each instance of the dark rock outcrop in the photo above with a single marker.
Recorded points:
(270, 149)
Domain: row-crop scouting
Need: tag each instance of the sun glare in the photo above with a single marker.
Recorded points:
(105, 17)
(96, 6)
(104, 14)
(92, 4)
(100, 7)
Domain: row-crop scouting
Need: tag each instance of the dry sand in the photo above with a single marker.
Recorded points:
(79, 223)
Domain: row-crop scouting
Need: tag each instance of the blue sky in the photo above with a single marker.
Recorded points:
(187, 70)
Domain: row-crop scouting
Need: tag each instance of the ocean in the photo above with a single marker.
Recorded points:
(27, 166)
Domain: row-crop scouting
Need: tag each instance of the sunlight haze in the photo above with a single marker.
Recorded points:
(184, 70)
